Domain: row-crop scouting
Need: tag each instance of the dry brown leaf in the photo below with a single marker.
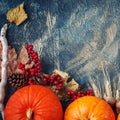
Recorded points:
(72, 85)
(12, 60)
(23, 56)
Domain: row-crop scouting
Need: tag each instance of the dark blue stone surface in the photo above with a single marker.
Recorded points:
(77, 36)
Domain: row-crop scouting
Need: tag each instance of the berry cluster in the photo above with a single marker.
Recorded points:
(72, 95)
(35, 70)
(53, 80)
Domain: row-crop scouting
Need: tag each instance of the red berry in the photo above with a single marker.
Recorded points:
(79, 94)
(60, 85)
(55, 82)
(82, 95)
(81, 91)
(26, 46)
(30, 46)
(72, 92)
(58, 78)
(47, 76)
(58, 88)
(23, 72)
(44, 80)
(30, 79)
(74, 97)
(29, 61)
(38, 74)
(68, 93)
(31, 51)
(26, 73)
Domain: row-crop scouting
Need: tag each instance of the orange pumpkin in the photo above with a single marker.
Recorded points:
(89, 108)
(33, 102)
(118, 117)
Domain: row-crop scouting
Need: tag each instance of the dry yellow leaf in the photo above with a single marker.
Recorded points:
(67, 85)
(65, 76)
(17, 15)
(72, 85)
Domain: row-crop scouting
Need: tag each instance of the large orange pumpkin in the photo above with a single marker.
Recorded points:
(33, 102)
(89, 108)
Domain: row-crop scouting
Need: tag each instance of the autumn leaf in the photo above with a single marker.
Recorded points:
(12, 60)
(70, 85)
(23, 56)
(67, 85)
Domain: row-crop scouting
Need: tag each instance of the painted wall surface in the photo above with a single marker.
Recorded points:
(81, 37)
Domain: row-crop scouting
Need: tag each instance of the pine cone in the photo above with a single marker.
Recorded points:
(17, 80)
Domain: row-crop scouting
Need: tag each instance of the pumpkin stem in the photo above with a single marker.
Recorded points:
(29, 114)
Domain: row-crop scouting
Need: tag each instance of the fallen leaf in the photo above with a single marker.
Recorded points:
(17, 14)
(67, 85)
(72, 85)
(23, 56)
(65, 76)
(12, 60)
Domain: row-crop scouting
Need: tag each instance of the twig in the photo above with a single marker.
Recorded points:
(108, 95)
(95, 88)
(3, 67)
(107, 83)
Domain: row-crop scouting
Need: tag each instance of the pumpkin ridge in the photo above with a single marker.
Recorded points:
(36, 105)
(39, 93)
(78, 108)
(30, 105)
(40, 101)
(94, 110)
(28, 95)
(90, 114)
(21, 98)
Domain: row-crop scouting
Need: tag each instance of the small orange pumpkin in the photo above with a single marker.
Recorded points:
(33, 102)
(118, 117)
(89, 108)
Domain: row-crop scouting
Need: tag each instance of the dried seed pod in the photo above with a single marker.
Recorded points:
(118, 106)
(17, 80)
(110, 100)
